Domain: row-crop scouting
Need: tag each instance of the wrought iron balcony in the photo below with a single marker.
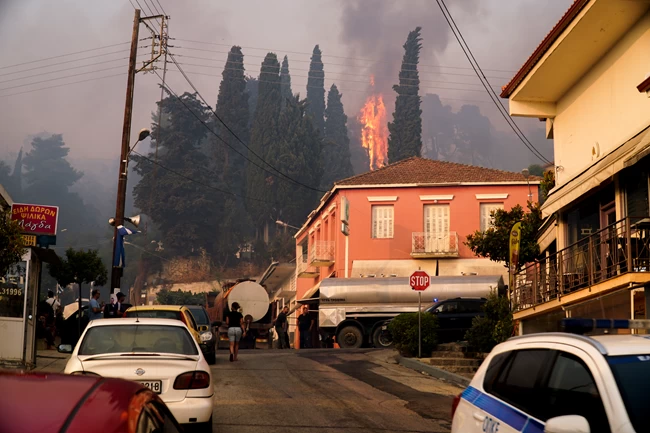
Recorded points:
(444, 244)
(305, 270)
(621, 248)
(321, 253)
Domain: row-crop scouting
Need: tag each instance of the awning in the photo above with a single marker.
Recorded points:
(547, 233)
(311, 295)
(624, 156)
(446, 267)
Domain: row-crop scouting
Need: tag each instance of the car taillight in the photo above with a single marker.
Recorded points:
(454, 405)
(192, 380)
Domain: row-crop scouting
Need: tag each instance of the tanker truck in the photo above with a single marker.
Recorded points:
(353, 310)
(255, 307)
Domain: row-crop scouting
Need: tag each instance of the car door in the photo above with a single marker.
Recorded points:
(446, 312)
(508, 399)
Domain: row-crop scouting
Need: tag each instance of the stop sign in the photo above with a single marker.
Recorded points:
(419, 280)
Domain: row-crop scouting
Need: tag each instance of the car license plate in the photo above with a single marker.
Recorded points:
(154, 385)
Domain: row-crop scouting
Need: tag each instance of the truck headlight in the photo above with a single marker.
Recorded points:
(206, 336)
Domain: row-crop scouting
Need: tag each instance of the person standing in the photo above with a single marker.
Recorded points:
(119, 309)
(235, 322)
(54, 303)
(281, 326)
(305, 326)
(95, 309)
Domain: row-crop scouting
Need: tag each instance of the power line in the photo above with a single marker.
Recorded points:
(177, 173)
(337, 57)
(63, 85)
(63, 55)
(62, 63)
(161, 8)
(62, 70)
(297, 182)
(342, 89)
(472, 60)
(322, 63)
(61, 78)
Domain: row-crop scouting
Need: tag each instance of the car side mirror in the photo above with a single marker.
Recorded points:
(216, 324)
(64, 348)
(567, 424)
(203, 328)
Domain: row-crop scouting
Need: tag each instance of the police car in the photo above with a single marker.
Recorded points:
(562, 382)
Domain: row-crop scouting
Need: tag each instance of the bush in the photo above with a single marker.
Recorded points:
(404, 330)
(496, 327)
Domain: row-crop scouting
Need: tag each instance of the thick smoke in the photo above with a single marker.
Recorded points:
(377, 30)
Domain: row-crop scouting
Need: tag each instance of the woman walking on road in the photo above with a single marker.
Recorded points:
(235, 322)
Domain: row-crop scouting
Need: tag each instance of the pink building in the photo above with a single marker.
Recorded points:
(413, 214)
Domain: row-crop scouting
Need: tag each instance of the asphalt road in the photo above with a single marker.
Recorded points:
(327, 391)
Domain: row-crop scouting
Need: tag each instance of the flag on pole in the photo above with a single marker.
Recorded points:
(120, 259)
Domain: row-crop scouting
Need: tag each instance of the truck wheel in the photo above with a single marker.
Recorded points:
(382, 339)
(350, 337)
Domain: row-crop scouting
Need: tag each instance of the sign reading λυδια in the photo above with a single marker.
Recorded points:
(36, 219)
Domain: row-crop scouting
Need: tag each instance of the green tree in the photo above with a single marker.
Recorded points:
(405, 138)
(535, 170)
(547, 184)
(12, 243)
(259, 183)
(494, 242)
(184, 211)
(285, 82)
(494, 328)
(252, 89)
(336, 158)
(79, 267)
(179, 297)
(232, 108)
(316, 90)
(297, 154)
(48, 178)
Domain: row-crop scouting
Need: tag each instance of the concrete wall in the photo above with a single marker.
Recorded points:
(604, 109)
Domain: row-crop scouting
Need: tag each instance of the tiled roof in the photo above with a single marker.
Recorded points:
(417, 170)
(544, 46)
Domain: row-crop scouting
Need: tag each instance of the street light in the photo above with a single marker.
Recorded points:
(283, 224)
(526, 174)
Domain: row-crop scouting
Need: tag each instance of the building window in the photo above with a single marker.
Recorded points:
(486, 214)
(382, 222)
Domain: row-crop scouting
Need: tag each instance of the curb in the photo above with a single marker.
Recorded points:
(432, 371)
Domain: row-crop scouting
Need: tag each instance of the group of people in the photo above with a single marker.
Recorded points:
(49, 315)
(98, 310)
(237, 329)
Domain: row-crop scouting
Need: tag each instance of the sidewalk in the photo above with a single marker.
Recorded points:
(50, 361)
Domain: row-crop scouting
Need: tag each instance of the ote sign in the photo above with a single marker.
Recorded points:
(419, 281)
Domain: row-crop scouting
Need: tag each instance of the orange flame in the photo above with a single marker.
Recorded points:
(374, 130)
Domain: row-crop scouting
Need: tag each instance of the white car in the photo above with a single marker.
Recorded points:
(159, 353)
(561, 383)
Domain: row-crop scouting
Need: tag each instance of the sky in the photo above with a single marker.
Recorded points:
(358, 38)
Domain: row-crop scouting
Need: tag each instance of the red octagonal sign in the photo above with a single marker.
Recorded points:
(419, 280)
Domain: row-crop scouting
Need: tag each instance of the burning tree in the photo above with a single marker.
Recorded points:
(405, 138)
(374, 134)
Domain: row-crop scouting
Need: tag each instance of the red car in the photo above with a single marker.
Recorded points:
(49, 403)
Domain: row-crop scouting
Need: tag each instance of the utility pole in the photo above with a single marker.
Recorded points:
(116, 271)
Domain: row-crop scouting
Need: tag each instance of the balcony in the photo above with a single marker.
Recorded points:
(305, 270)
(288, 289)
(595, 263)
(432, 245)
(321, 254)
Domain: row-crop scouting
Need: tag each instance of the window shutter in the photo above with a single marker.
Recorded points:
(382, 222)
(486, 217)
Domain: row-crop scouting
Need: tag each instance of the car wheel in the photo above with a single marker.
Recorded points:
(350, 337)
(204, 427)
(382, 339)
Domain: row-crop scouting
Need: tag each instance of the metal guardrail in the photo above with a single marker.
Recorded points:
(434, 243)
(615, 250)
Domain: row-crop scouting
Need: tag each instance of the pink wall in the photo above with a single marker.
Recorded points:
(464, 212)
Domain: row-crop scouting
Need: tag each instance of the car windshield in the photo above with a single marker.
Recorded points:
(137, 338)
(154, 314)
(200, 316)
(632, 374)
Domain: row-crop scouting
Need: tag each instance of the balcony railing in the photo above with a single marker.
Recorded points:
(618, 249)
(424, 244)
(305, 270)
(288, 289)
(321, 253)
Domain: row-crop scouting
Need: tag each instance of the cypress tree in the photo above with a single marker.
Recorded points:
(263, 140)
(336, 159)
(405, 138)
(285, 81)
(232, 108)
(316, 90)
